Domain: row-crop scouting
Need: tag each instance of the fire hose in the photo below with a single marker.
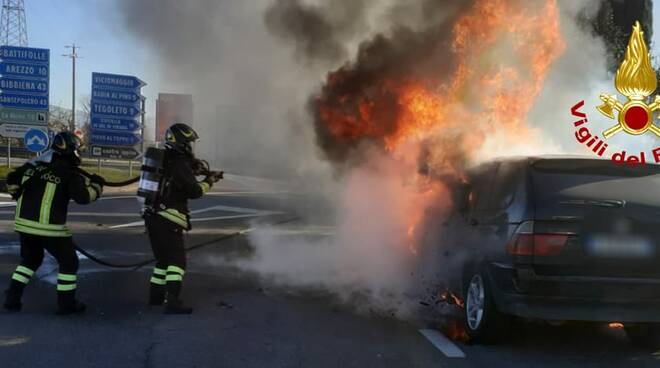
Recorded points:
(140, 264)
(202, 168)
(110, 183)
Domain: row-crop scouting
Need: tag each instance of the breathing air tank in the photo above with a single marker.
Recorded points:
(151, 177)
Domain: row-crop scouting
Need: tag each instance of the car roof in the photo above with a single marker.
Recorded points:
(532, 159)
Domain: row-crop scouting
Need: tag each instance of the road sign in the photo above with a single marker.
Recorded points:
(115, 81)
(120, 153)
(114, 124)
(24, 55)
(21, 70)
(24, 101)
(11, 130)
(114, 110)
(24, 73)
(116, 96)
(36, 140)
(23, 86)
(32, 117)
(114, 139)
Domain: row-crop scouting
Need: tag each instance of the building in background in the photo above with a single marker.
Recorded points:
(172, 108)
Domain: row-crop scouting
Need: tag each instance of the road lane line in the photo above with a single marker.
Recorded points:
(204, 219)
(442, 343)
(265, 213)
(109, 198)
(245, 193)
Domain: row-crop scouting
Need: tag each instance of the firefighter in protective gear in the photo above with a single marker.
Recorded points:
(43, 189)
(170, 217)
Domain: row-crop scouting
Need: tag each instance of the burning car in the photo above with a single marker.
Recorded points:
(557, 238)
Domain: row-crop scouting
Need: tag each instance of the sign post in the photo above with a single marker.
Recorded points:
(117, 116)
(24, 90)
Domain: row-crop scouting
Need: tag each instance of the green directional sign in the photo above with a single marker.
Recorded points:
(19, 116)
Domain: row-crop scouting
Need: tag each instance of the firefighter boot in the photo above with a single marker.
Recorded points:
(67, 303)
(157, 294)
(174, 305)
(13, 296)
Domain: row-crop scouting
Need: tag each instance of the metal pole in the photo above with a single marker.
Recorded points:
(8, 152)
(73, 92)
(143, 103)
(130, 168)
(98, 169)
(73, 55)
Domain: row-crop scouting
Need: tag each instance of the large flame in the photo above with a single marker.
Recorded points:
(636, 78)
(500, 53)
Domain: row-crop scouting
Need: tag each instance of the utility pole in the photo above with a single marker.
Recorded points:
(73, 55)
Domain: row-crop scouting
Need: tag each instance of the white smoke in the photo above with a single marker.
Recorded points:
(251, 93)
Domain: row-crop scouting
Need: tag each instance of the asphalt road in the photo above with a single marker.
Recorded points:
(239, 319)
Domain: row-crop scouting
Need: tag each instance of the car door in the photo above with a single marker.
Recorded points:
(501, 213)
(462, 234)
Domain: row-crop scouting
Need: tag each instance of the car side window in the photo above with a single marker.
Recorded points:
(504, 186)
(480, 187)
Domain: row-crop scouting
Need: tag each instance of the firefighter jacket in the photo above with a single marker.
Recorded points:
(179, 185)
(45, 191)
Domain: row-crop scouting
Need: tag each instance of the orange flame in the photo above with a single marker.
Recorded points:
(502, 51)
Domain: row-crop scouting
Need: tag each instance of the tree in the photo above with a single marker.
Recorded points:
(58, 118)
(614, 22)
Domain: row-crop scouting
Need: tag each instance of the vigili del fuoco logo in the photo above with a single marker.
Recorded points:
(636, 80)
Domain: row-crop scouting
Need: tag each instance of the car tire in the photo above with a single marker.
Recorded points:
(644, 335)
(483, 323)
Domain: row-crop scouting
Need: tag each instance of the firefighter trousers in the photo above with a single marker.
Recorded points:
(167, 244)
(32, 255)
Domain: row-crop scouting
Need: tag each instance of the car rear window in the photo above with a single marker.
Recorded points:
(600, 179)
(594, 167)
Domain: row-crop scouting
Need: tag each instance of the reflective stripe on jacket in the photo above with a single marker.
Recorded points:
(46, 191)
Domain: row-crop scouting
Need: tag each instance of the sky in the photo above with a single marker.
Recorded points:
(105, 46)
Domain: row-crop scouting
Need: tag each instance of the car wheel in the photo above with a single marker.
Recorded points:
(483, 322)
(644, 335)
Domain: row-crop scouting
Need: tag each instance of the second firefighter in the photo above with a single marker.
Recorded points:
(168, 217)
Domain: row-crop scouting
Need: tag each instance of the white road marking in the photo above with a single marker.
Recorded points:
(442, 343)
(203, 219)
(244, 213)
(244, 193)
(227, 209)
(118, 197)
(130, 224)
(260, 214)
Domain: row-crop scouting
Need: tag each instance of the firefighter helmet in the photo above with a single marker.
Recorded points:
(67, 145)
(179, 137)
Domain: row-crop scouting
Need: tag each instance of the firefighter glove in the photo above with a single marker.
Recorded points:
(209, 180)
